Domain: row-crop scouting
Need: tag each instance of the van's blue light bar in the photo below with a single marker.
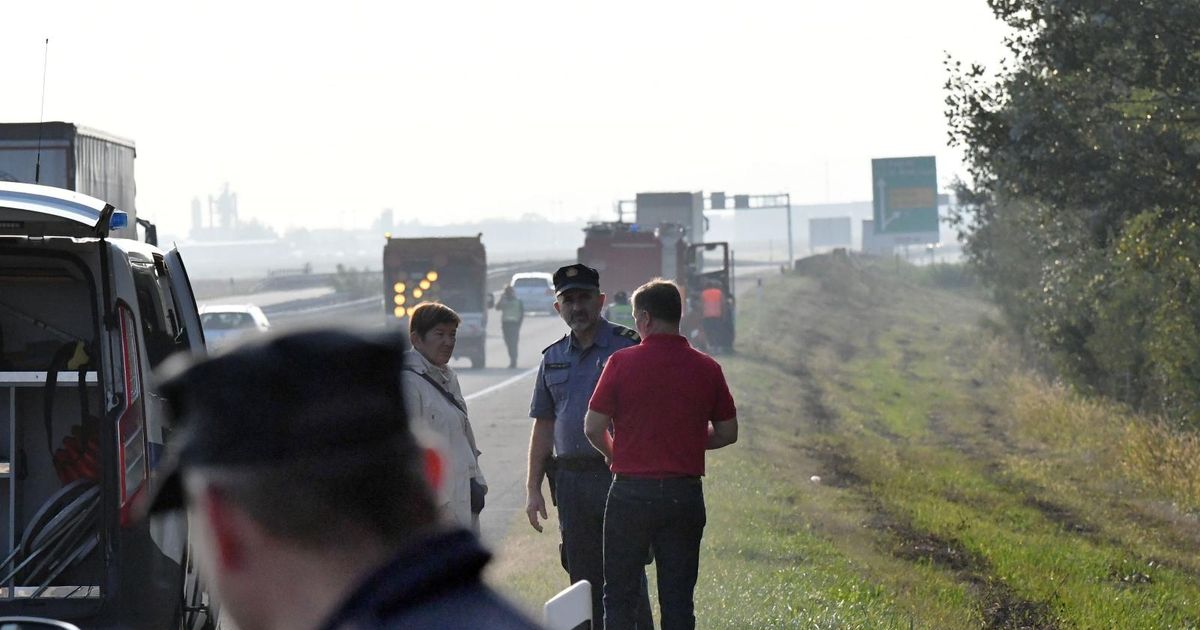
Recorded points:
(119, 220)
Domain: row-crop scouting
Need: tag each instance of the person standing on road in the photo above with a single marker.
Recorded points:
(309, 498)
(512, 313)
(666, 403)
(434, 401)
(712, 299)
(580, 479)
(620, 312)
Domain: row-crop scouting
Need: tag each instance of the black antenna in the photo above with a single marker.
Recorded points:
(37, 168)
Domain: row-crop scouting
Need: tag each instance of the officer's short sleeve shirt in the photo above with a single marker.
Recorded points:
(565, 381)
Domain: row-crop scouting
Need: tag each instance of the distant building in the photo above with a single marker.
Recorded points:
(223, 221)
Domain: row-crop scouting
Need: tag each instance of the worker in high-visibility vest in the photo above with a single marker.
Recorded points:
(512, 313)
(620, 311)
(712, 300)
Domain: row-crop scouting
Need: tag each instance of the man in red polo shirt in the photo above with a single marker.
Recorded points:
(666, 403)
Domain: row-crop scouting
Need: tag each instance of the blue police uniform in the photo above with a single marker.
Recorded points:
(565, 381)
(433, 585)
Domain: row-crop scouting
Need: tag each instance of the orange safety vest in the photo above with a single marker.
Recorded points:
(714, 302)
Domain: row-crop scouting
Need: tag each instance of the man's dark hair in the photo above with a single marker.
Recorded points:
(330, 503)
(661, 299)
(427, 315)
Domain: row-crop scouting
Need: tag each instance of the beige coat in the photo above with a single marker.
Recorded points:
(428, 409)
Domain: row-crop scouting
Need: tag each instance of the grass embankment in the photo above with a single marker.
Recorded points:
(898, 468)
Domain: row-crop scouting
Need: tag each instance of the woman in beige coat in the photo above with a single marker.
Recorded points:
(434, 400)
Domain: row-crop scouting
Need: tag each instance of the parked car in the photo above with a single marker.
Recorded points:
(224, 323)
(84, 319)
(535, 290)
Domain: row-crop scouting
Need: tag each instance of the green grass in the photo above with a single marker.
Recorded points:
(526, 567)
(955, 490)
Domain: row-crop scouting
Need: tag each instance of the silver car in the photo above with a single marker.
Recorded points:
(225, 323)
(535, 289)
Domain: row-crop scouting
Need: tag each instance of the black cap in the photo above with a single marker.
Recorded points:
(320, 395)
(577, 276)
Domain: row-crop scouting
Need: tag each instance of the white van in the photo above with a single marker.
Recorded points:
(84, 318)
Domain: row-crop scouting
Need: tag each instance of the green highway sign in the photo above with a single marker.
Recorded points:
(906, 198)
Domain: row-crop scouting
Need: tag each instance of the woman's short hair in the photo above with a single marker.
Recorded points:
(661, 299)
(426, 315)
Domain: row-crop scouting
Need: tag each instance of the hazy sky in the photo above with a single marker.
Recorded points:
(324, 114)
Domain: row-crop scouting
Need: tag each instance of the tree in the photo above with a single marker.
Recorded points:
(1081, 210)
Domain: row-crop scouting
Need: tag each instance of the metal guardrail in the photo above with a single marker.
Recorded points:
(295, 309)
(496, 276)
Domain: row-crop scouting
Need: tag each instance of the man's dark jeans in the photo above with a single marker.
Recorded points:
(663, 515)
(581, 497)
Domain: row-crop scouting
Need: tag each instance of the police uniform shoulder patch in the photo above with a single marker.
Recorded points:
(627, 333)
(556, 342)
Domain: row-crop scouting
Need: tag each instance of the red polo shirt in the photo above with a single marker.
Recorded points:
(661, 396)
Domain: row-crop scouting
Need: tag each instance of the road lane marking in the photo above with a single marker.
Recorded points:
(501, 385)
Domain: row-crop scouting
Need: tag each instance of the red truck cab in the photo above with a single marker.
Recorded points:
(628, 255)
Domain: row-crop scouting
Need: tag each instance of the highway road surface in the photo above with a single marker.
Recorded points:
(497, 397)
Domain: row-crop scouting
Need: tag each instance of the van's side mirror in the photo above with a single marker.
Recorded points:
(491, 301)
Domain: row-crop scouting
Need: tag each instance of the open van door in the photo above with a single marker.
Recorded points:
(197, 610)
(187, 308)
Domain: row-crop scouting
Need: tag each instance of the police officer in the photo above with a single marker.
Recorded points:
(568, 373)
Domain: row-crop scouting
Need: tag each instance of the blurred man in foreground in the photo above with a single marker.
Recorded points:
(309, 497)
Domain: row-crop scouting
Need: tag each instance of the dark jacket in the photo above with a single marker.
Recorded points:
(434, 584)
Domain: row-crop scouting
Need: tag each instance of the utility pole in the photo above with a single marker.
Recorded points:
(791, 253)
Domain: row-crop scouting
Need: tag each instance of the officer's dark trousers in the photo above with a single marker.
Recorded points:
(581, 497)
(668, 516)
(512, 332)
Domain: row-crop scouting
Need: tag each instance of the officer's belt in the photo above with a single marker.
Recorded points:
(581, 464)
